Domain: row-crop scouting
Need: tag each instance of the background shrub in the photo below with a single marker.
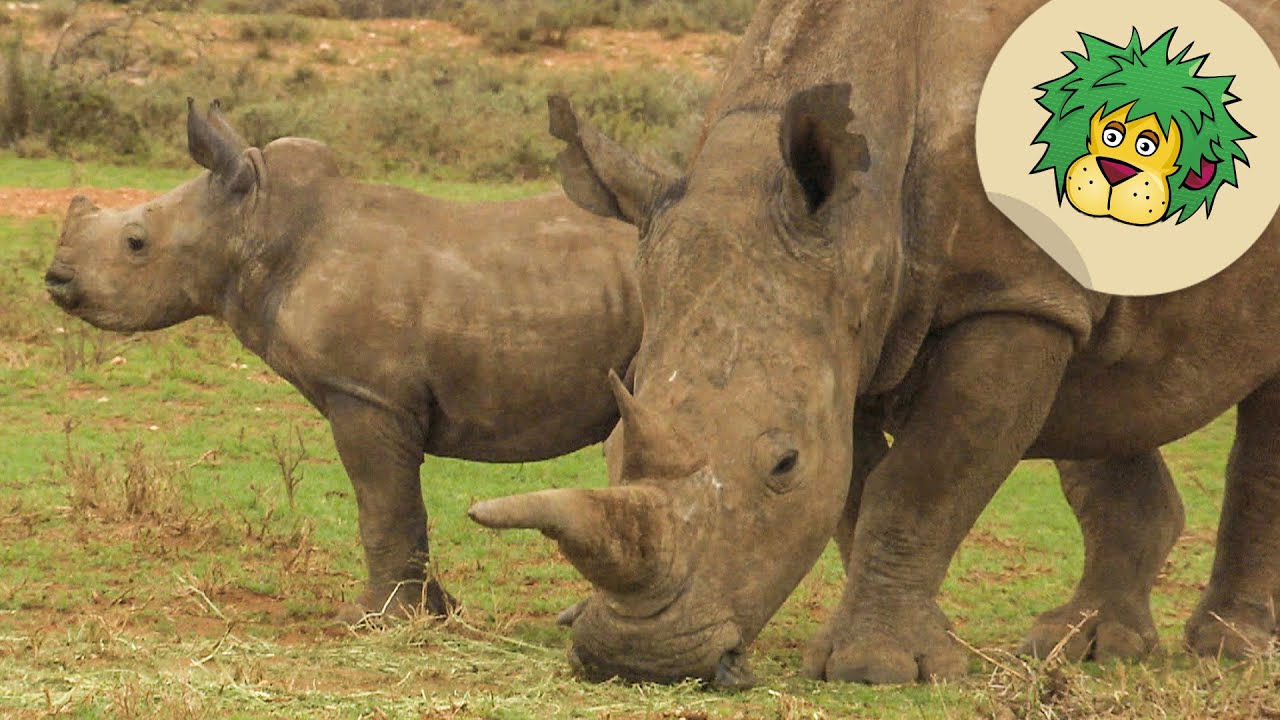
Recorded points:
(121, 97)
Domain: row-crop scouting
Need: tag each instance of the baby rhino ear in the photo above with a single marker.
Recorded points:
(817, 145)
(599, 174)
(217, 148)
(81, 206)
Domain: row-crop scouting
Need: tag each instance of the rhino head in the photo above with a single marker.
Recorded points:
(177, 256)
(731, 465)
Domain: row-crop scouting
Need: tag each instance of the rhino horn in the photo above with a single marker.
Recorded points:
(650, 446)
(616, 537)
(221, 155)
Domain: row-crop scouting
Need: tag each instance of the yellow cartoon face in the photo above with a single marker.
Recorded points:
(1125, 174)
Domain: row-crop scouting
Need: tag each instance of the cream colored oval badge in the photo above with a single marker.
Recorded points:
(1137, 142)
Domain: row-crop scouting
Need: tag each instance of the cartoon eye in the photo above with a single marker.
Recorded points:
(1147, 144)
(1113, 135)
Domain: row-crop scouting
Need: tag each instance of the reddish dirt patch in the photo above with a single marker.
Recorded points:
(28, 203)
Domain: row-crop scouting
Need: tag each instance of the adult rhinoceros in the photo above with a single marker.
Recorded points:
(829, 268)
(478, 331)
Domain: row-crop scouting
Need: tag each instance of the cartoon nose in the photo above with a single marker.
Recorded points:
(1116, 171)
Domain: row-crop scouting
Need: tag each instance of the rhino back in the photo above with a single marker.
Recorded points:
(495, 323)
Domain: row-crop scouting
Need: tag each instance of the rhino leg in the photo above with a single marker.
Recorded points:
(382, 454)
(1236, 614)
(1130, 515)
(869, 448)
(985, 393)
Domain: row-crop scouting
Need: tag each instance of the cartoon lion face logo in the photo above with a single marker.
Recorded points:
(1136, 136)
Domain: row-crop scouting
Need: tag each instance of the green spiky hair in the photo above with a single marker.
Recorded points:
(1109, 77)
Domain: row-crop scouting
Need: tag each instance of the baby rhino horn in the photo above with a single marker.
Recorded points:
(614, 536)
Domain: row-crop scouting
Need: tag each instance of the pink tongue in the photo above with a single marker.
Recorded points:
(1115, 171)
(1200, 180)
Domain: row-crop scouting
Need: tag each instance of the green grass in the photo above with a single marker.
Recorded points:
(208, 595)
(55, 173)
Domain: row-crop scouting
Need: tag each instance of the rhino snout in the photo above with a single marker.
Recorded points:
(59, 281)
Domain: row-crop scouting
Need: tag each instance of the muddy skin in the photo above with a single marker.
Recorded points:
(829, 252)
(477, 331)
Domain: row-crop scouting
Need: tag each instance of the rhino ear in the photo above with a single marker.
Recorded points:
(600, 175)
(219, 122)
(221, 154)
(817, 146)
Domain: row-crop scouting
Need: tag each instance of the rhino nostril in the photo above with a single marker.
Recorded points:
(57, 277)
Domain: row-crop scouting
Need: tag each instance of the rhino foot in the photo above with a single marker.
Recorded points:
(571, 613)
(1077, 631)
(1235, 628)
(409, 600)
(877, 652)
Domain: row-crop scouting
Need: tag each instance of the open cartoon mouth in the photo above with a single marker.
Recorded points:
(1200, 180)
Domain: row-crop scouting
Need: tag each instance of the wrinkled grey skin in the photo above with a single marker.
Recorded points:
(828, 270)
(478, 331)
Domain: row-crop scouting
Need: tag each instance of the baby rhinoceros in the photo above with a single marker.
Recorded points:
(481, 331)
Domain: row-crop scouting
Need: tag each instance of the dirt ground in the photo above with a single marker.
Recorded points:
(27, 203)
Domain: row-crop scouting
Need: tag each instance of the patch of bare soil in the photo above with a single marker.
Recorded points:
(27, 203)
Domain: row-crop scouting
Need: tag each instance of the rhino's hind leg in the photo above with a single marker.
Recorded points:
(1130, 515)
(1236, 614)
(382, 454)
(986, 390)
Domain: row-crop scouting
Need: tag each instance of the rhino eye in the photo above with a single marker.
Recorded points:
(786, 463)
(136, 244)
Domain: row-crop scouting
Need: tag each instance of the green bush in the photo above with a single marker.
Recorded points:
(55, 13)
(15, 115)
(442, 116)
(519, 24)
(60, 112)
(315, 8)
(361, 9)
(278, 28)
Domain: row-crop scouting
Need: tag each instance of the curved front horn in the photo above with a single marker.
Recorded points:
(619, 538)
(651, 448)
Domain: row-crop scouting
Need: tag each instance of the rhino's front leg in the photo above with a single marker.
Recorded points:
(985, 393)
(382, 453)
(1130, 516)
(869, 448)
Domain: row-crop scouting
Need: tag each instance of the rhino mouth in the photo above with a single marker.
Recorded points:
(61, 286)
(607, 645)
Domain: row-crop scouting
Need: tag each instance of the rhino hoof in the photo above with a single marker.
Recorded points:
(432, 601)
(1235, 635)
(1079, 635)
(878, 660)
(571, 613)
